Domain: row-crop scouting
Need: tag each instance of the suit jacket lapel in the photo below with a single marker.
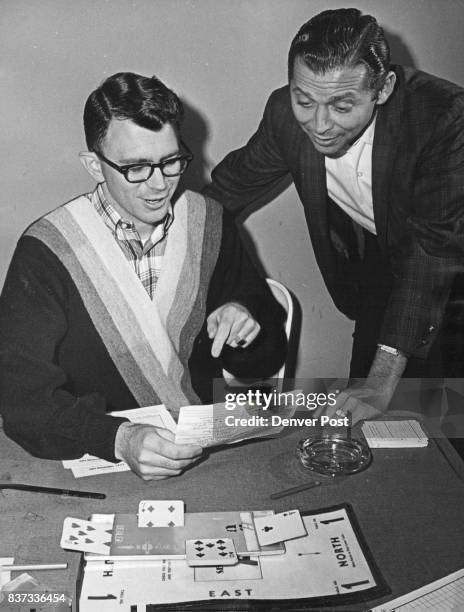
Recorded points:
(313, 189)
(386, 140)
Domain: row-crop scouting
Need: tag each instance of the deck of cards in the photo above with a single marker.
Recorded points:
(394, 434)
(162, 533)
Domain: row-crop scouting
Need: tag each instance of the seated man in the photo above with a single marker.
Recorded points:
(132, 295)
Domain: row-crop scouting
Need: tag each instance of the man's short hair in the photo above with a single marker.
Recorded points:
(125, 95)
(342, 38)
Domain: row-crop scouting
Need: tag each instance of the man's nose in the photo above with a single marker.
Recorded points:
(322, 122)
(157, 180)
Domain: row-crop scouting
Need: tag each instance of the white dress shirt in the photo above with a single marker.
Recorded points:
(349, 180)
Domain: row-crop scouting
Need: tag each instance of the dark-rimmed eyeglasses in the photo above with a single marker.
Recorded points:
(139, 173)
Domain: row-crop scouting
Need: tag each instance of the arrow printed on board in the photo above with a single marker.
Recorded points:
(350, 585)
(335, 520)
(101, 597)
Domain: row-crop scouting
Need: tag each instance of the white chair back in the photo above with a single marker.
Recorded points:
(282, 295)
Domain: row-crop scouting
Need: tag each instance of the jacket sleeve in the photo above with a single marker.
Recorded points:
(425, 266)
(38, 410)
(255, 170)
(235, 279)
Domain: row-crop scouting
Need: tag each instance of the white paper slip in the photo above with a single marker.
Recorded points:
(195, 425)
(213, 424)
(394, 434)
(445, 594)
(88, 465)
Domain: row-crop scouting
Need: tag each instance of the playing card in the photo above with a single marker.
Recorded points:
(279, 527)
(167, 542)
(86, 536)
(161, 513)
(249, 531)
(210, 551)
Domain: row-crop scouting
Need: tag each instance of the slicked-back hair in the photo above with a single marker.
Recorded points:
(342, 38)
(125, 95)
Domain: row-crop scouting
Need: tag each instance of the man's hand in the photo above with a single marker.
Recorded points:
(359, 403)
(231, 324)
(150, 451)
(370, 399)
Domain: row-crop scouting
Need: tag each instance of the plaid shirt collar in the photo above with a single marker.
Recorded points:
(124, 230)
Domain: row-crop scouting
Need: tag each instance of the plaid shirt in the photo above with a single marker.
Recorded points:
(146, 259)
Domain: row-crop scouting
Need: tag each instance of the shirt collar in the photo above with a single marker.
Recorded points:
(367, 137)
(114, 220)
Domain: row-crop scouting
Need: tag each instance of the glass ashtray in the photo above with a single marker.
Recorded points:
(334, 455)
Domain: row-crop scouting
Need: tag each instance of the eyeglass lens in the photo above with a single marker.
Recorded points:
(172, 167)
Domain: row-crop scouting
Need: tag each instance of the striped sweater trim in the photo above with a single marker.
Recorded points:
(150, 342)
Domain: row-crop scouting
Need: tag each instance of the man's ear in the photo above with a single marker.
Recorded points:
(387, 88)
(92, 164)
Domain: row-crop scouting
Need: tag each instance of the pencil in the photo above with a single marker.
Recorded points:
(292, 490)
(53, 491)
(27, 568)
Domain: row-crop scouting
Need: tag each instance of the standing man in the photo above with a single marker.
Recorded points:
(376, 153)
(138, 293)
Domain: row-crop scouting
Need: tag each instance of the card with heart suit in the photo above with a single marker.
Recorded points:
(279, 527)
(210, 551)
(86, 536)
(161, 513)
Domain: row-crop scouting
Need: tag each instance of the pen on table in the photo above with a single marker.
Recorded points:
(54, 491)
(27, 568)
(302, 487)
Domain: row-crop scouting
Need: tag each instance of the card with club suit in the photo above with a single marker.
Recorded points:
(280, 527)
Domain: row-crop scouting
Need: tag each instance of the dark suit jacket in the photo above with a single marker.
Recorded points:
(418, 199)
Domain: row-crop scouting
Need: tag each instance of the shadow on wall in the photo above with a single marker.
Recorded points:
(399, 51)
(195, 133)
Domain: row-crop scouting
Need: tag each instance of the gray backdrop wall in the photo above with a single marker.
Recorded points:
(223, 57)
